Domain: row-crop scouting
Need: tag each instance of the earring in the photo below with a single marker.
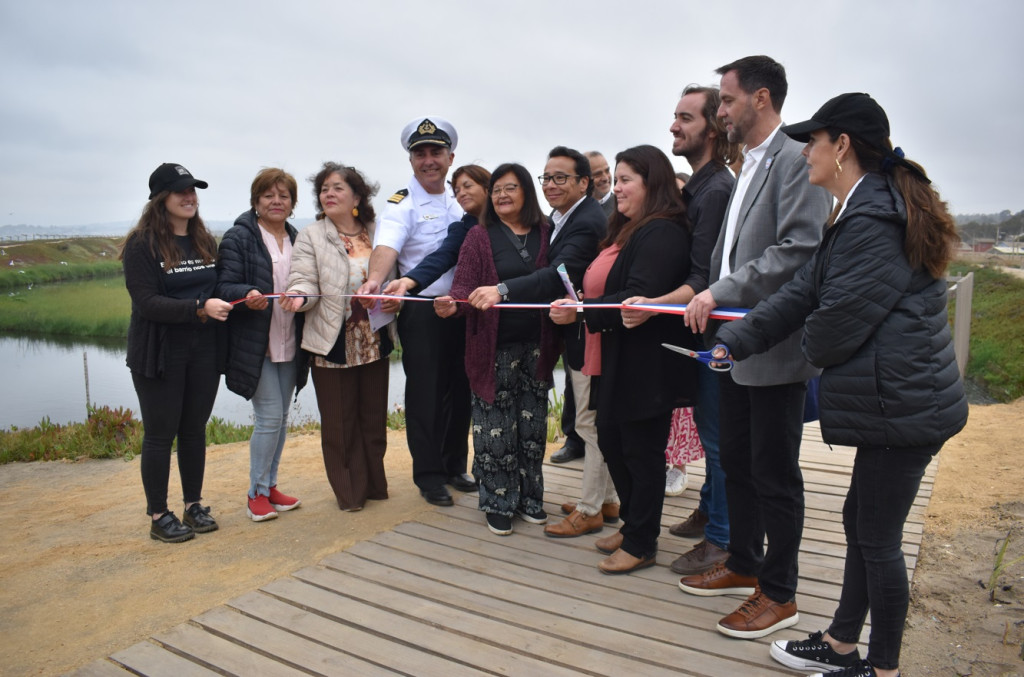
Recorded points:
(839, 168)
(355, 211)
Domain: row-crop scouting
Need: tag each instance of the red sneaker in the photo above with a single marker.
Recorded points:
(282, 502)
(260, 509)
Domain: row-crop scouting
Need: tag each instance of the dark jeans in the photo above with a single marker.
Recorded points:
(760, 445)
(712, 492)
(883, 487)
(436, 393)
(635, 454)
(178, 405)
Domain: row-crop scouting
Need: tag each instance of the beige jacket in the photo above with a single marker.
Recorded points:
(320, 265)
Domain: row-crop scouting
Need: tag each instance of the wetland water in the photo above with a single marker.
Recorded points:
(45, 377)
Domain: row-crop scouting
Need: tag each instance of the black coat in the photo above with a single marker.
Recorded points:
(244, 264)
(576, 247)
(639, 378)
(877, 327)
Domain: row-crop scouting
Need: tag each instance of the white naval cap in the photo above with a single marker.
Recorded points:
(433, 130)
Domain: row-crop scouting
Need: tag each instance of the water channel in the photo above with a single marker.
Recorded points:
(45, 377)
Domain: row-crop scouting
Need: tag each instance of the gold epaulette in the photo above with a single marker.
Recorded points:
(399, 196)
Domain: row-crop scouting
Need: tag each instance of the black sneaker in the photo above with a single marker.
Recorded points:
(537, 516)
(198, 517)
(813, 652)
(169, 530)
(499, 524)
(861, 669)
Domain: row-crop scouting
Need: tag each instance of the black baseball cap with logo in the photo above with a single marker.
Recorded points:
(173, 177)
(855, 114)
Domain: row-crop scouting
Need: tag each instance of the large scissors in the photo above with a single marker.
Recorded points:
(714, 363)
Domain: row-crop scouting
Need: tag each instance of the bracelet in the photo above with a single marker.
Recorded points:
(201, 312)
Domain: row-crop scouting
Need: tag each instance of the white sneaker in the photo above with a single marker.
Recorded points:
(675, 481)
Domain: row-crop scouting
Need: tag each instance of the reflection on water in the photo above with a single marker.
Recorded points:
(45, 377)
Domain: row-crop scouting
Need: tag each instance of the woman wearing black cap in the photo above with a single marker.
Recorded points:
(168, 260)
(872, 303)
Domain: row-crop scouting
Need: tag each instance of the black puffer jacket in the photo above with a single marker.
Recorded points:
(879, 330)
(244, 264)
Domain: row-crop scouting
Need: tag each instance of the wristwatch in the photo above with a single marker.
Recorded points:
(503, 290)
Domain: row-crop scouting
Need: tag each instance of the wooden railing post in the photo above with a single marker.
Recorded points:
(963, 293)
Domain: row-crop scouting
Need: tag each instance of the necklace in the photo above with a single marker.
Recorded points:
(346, 240)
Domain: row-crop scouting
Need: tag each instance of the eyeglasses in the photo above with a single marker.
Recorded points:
(508, 188)
(559, 179)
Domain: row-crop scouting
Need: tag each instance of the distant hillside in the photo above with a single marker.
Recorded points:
(112, 229)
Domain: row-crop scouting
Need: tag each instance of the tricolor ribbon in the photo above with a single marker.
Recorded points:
(669, 308)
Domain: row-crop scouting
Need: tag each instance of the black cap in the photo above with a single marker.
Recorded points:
(173, 177)
(434, 130)
(855, 114)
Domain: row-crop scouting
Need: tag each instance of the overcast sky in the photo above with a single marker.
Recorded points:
(96, 94)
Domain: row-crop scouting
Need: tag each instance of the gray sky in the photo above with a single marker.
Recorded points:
(97, 94)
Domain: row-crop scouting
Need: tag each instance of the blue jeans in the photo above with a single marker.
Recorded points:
(270, 404)
(882, 489)
(712, 492)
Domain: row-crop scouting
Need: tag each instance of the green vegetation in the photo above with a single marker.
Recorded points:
(556, 402)
(87, 308)
(42, 261)
(108, 433)
(996, 359)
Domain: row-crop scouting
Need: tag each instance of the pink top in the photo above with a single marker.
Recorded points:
(593, 287)
(281, 347)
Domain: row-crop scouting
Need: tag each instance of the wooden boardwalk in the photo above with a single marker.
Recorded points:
(443, 596)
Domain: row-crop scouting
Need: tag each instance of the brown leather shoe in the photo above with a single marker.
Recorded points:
(699, 559)
(718, 580)
(621, 562)
(692, 526)
(610, 511)
(576, 524)
(759, 616)
(609, 544)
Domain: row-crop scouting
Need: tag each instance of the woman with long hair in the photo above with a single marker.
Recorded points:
(168, 260)
(872, 304)
(510, 354)
(265, 364)
(637, 382)
(349, 356)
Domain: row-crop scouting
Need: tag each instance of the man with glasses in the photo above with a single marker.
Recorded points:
(579, 224)
(602, 182)
(412, 225)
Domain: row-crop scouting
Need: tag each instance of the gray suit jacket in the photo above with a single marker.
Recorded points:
(779, 227)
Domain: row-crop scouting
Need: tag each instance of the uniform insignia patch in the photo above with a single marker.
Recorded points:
(399, 196)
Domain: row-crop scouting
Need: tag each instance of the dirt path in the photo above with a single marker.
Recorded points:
(80, 578)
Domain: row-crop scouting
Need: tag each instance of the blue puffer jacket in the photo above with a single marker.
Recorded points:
(879, 330)
(243, 264)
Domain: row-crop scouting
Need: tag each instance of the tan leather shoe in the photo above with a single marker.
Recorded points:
(609, 544)
(576, 524)
(621, 562)
(718, 580)
(759, 616)
(610, 511)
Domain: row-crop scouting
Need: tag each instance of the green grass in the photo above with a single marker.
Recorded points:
(86, 308)
(108, 433)
(996, 360)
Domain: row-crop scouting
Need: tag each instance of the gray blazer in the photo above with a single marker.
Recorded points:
(778, 230)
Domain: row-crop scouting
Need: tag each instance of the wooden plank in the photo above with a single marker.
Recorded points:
(622, 645)
(403, 626)
(221, 654)
(349, 638)
(146, 658)
(286, 645)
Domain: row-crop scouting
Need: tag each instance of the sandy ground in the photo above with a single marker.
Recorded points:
(80, 578)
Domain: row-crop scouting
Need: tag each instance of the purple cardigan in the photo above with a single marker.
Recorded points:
(476, 269)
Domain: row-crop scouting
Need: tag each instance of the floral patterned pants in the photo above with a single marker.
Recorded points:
(509, 436)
